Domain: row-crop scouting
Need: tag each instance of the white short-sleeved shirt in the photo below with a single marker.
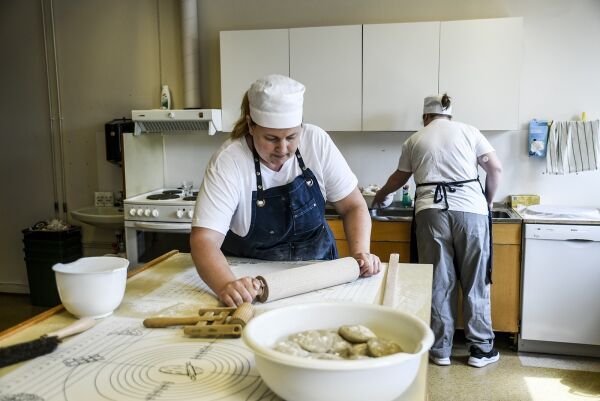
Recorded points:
(447, 151)
(225, 196)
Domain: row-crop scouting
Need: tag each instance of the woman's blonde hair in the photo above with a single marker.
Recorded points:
(240, 129)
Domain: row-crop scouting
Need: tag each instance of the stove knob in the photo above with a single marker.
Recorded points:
(179, 214)
(190, 213)
(140, 211)
(132, 211)
(147, 212)
(155, 213)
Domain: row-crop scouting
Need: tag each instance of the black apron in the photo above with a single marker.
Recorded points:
(441, 194)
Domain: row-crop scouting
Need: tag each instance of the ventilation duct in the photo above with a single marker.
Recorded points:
(191, 54)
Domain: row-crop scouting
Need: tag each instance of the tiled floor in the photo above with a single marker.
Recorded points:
(15, 308)
(516, 377)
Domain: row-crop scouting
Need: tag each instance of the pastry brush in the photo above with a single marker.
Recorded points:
(43, 345)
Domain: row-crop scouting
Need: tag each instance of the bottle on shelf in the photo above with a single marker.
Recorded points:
(165, 98)
(406, 200)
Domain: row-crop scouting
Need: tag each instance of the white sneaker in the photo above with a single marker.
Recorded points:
(440, 361)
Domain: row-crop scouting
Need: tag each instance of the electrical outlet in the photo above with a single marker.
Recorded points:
(103, 199)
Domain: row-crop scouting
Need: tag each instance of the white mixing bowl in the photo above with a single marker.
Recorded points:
(299, 379)
(92, 286)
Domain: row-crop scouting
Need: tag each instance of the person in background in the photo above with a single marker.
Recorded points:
(264, 192)
(452, 224)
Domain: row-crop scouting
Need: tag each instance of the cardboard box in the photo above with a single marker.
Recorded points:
(516, 201)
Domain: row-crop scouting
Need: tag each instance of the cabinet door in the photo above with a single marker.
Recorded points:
(480, 68)
(328, 61)
(384, 249)
(245, 57)
(400, 68)
(505, 296)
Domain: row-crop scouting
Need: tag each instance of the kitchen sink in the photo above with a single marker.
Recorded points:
(392, 214)
(405, 214)
(498, 214)
(103, 217)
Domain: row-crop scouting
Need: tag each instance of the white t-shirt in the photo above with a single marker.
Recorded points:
(446, 151)
(225, 196)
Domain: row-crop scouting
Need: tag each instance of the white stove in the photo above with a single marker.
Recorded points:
(157, 222)
(161, 205)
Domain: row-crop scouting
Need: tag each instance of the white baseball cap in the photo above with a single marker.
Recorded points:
(433, 105)
(276, 102)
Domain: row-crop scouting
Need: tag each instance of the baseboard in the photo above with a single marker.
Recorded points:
(14, 288)
(549, 347)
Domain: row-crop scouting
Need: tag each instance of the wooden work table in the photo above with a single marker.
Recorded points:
(411, 285)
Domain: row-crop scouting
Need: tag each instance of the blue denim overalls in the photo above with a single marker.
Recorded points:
(287, 223)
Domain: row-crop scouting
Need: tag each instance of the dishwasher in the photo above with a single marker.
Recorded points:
(560, 311)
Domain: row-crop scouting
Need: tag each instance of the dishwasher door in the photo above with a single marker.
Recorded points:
(561, 284)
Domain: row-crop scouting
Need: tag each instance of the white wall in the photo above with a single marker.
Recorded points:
(559, 79)
(112, 57)
(110, 60)
(187, 155)
(25, 141)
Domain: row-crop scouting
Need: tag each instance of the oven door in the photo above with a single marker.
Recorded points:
(148, 240)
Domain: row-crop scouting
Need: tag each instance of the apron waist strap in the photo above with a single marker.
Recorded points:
(443, 187)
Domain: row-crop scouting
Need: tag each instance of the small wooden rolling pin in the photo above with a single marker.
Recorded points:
(210, 322)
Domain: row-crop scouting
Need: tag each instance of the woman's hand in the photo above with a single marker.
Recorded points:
(238, 291)
(369, 264)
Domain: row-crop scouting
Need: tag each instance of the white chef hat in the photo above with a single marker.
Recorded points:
(433, 105)
(276, 101)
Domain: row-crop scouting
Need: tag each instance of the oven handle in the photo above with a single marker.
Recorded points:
(163, 226)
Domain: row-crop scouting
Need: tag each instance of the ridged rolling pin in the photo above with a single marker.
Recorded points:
(241, 315)
(221, 324)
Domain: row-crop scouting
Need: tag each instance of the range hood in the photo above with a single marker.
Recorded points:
(162, 121)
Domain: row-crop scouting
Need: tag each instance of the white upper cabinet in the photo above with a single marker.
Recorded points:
(480, 69)
(375, 77)
(245, 57)
(400, 68)
(328, 61)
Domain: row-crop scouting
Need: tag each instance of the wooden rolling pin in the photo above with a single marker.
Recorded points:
(299, 280)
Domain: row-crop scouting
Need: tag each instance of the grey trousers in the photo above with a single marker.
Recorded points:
(457, 244)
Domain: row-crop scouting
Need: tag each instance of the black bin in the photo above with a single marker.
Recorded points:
(43, 249)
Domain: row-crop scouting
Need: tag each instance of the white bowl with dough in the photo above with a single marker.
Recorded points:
(93, 286)
(299, 379)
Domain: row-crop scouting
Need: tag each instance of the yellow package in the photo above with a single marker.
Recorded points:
(523, 200)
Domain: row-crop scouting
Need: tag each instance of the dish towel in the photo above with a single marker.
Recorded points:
(573, 146)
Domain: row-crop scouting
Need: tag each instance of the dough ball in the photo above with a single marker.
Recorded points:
(340, 346)
(314, 340)
(356, 333)
(378, 347)
(358, 350)
(290, 348)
